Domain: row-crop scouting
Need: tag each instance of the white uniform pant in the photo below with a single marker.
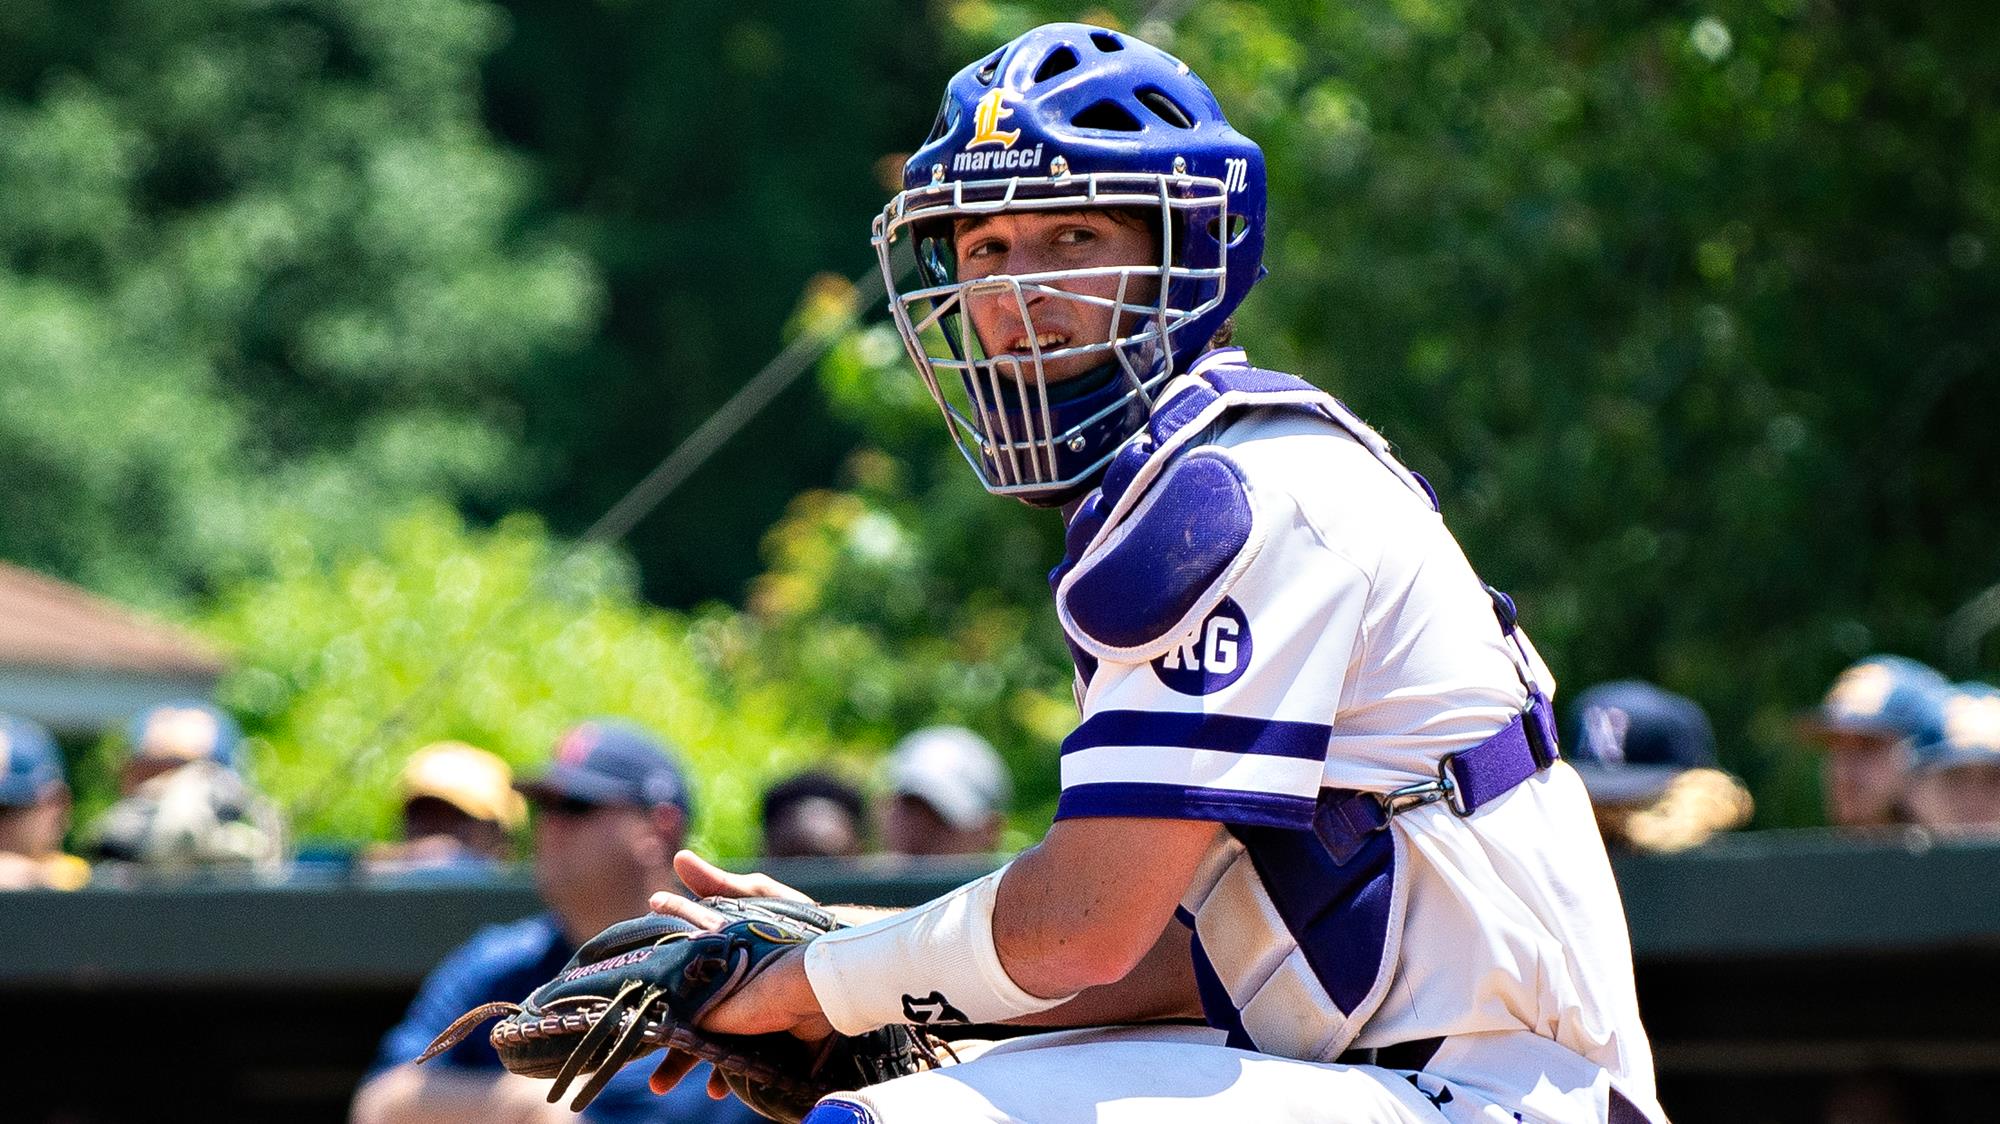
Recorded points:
(1184, 1075)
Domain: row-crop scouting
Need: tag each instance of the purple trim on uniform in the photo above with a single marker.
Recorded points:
(1085, 663)
(1083, 526)
(1254, 380)
(1220, 357)
(1178, 411)
(1182, 915)
(1345, 819)
(1339, 914)
(1493, 767)
(1232, 732)
(1624, 1111)
(1184, 802)
(1428, 490)
(1084, 522)
(1118, 475)
(1216, 1007)
(1196, 521)
(838, 1110)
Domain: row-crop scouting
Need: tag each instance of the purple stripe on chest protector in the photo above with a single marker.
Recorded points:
(1196, 521)
(1339, 914)
(1235, 733)
(1215, 1005)
(1184, 802)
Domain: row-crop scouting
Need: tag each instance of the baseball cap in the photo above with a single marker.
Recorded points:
(1629, 739)
(608, 762)
(187, 730)
(29, 761)
(1884, 695)
(953, 770)
(1970, 732)
(466, 777)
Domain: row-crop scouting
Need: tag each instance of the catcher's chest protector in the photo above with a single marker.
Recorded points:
(1188, 560)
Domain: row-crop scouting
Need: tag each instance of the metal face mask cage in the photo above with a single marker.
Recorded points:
(1023, 435)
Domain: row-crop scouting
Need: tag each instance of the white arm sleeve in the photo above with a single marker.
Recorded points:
(935, 963)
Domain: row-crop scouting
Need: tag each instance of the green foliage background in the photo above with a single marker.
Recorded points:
(1685, 309)
(263, 271)
(502, 638)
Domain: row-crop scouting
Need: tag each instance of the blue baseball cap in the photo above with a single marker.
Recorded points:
(1629, 739)
(1887, 696)
(1970, 733)
(29, 761)
(185, 730)
(608, 762)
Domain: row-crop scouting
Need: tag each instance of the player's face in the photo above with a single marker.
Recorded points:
(910, 826)
(36, 830)
(1964, 800)
(814, 826)
(1864, 779)
(587, 862)
(1039, 242)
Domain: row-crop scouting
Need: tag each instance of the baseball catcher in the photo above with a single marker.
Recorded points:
(642, 985)
(1314, 795)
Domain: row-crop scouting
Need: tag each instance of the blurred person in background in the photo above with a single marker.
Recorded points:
(608, 816)
(946, 794)
(1875, 711)
(184, 804)
(460, 810)
(1647, 758)
(1955, 779)
(813, 815)
(34, 811)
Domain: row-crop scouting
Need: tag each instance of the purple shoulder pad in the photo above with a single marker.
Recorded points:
(1167, 558)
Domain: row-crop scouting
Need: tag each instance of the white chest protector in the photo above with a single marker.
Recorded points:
(1273, 630)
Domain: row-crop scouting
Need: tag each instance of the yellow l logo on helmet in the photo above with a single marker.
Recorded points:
(986, 121)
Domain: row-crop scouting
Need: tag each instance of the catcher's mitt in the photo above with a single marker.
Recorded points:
(642, 984)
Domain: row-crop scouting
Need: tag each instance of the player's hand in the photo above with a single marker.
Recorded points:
(704, 879)
(778, 999)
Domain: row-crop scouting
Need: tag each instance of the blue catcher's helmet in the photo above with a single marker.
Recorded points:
(1070, 117)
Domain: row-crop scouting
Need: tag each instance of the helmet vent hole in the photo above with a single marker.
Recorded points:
(1238, 226)
(1165, 107)
(1061, 59)
(985, 75)
(1108, 116)
(1106, 41)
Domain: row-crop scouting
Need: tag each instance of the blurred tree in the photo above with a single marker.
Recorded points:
(710, 159)
(500, 638)
(262, 268)
(1688, 314)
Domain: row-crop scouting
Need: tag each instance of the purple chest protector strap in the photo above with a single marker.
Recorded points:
(1466, 780)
